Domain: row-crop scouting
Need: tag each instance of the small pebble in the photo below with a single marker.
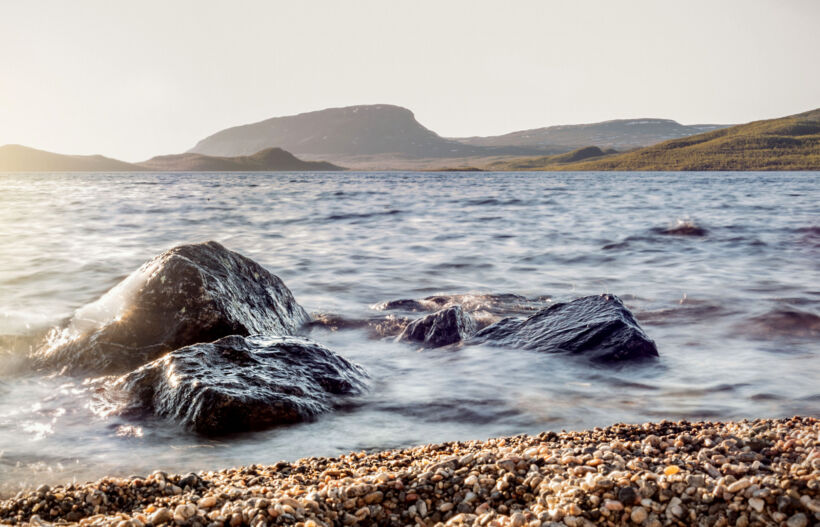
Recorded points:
(638, 514)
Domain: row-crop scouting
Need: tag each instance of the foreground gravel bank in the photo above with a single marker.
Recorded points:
(763, 472)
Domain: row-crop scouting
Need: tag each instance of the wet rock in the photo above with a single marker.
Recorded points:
(238, 384)
(598, 327)
(189, 294)
(441, 328)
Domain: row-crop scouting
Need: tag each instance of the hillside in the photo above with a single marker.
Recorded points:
(621, 134)
(542, 162)
(270, 159)
(17, 158)
(788, 143)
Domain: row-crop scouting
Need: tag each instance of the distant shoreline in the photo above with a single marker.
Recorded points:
(353, 141)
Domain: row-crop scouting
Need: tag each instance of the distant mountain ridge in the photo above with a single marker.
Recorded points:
(269, 159)
(620, 134)
(384, 136)
(19, 158)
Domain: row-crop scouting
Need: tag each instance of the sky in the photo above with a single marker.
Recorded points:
(136, 79)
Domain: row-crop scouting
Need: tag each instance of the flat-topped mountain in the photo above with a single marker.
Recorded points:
(269, 159)
(788, 143)
(18, 158)
(337, 133)
(621, 134)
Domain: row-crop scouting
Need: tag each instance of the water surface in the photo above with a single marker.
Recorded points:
(734, 311)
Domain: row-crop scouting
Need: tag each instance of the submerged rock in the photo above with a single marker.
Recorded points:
(683, 228)
(377, 327)
(238, 384)
(598, 327)
(189, 294)
(494, 304)
(441, 328)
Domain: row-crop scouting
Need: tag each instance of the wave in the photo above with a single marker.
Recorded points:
(358, 216)
(783, 322)
(687, 312)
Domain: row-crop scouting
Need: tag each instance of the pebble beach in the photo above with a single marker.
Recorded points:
(744, 473)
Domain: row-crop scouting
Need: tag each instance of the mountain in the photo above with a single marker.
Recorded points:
(788, 143)
(269, 159)
(17, 158)
(340, 133)
(621, 134)
(383, 136)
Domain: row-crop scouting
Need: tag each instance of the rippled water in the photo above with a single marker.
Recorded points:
(733, 309)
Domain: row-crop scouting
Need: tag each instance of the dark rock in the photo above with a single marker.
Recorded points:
(189, 294)
(598, 327)
(628, 496)
(191, 480)
(441, 328)
(238, 384)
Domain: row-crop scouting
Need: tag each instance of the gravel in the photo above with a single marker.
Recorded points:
(745, 473)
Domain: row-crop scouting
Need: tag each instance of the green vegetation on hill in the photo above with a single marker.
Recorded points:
(788, 143)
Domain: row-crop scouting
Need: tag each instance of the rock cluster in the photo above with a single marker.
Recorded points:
(748, 473)
(185, 321)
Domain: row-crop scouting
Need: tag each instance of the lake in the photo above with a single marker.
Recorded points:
(722, 270)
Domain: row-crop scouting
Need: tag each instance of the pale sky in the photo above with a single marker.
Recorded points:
(140, 78)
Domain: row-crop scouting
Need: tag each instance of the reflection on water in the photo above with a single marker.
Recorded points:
(720, 269)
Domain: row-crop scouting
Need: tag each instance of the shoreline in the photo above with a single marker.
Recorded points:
(750, 472)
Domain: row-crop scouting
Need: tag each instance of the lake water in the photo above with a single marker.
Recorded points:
(734, 312)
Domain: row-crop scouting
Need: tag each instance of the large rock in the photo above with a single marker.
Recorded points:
(598, 327)
(441, 328)
(239, 384)
(189, 294)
